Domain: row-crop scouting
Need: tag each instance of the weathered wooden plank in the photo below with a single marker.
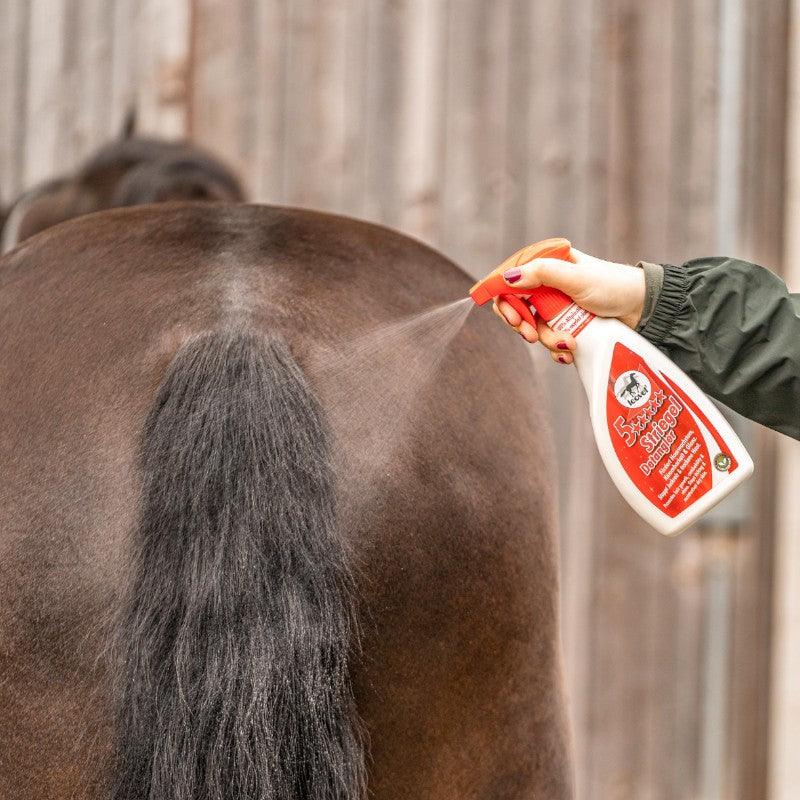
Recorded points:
(315, 129)
(123, 60)
(599, 44)
(478, 186)
(783, 776)
(75, 41)
(382, 120)
(764, 123)
(44, 105)
(355, 96)
(14, 40)
(162, 41)
(762, 198)
(265, 25)
(421, 131)
(93, 123)
(687, 572)
(222, 54)
(784, 723)
(517, 131)
(691, 213)
(558, 119)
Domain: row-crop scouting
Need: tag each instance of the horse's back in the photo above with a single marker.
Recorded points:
(452, 541)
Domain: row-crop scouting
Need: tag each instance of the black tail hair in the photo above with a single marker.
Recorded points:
(234, 644)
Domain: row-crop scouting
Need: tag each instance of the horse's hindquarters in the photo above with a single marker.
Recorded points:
(461, 685)
(458, 681)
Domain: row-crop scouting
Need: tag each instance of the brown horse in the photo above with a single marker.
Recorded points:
(198, 599)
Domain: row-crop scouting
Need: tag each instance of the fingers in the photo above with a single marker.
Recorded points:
(561, 345)
(550, 272)
(506, 312)
(509, 315)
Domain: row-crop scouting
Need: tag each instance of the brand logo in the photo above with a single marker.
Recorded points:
(722, 462)
(632, 389)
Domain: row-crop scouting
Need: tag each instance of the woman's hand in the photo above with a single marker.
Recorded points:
(605, 288)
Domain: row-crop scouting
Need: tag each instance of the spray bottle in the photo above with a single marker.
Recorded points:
(666, 446)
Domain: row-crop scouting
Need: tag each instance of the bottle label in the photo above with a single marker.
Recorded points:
(665, 443)
(572, 319)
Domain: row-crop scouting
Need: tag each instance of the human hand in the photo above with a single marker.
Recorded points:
(605, 288)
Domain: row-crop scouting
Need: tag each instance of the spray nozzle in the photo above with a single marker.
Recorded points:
(494, 285)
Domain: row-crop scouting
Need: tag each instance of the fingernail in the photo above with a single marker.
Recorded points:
(562, 346)
(562, 359)
(512, 275)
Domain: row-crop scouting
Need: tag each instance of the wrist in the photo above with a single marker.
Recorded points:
(633, 305)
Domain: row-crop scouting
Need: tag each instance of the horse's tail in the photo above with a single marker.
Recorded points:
(235, 640)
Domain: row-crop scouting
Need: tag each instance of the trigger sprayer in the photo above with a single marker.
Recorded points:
(666, 446)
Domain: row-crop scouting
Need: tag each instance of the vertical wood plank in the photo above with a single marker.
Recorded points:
(691, 215)
(95, 122)
(356, 78)
(381, 126)
(784, 713)
(476, 177)
(70, 86)
(557, 119)
(44, 105)
(516, 224)
(268, 22)
(761, 234)
(599, 44)
(123, 61)
(162, 63)
(421, 119)
(315, 122)
(86, 121)
(222, 52)
(14, 40)
(688, 576)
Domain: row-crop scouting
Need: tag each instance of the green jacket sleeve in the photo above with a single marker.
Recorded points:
(734, 328)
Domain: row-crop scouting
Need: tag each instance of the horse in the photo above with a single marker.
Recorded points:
(198, 597)
(130, 170)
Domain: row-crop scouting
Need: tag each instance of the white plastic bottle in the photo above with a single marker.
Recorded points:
(666, 446)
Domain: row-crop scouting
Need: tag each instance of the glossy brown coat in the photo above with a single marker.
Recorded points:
(459, 679)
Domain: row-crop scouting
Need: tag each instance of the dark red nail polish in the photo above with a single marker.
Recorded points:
(512, 275)
(562, 346)
(562, 359)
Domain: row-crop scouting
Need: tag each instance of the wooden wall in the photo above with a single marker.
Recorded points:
(478, 127)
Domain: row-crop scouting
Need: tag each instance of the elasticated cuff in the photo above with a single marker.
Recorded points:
(674, 287)
(653, 281)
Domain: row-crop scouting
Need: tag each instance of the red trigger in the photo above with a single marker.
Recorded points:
(521, 306)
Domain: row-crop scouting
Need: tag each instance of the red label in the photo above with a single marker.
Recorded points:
(668, 447)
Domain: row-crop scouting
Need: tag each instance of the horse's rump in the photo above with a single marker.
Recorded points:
(458, 682)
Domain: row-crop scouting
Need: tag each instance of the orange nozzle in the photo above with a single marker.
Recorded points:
(494, 285)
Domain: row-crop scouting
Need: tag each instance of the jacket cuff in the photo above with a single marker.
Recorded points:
(670, 301)
(653, 281)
